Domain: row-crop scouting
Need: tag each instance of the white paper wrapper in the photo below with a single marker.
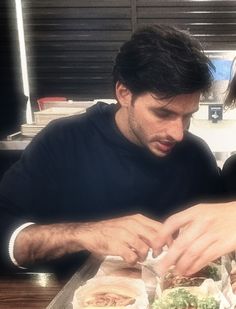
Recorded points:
(229, 286)
(150, 273)
(135, 286)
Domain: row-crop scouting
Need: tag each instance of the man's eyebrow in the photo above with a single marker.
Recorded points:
(166, 110)
(162, 108)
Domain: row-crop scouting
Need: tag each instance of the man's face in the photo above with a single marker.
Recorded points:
(155, 123)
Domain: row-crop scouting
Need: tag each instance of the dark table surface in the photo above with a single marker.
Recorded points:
(40, 288)
(29, 290)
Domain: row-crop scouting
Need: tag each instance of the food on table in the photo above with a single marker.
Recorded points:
(172, 279)
(209, 271)
(112, 298)
(107, 293)
(183, 292)
(182, 298)
(109, 296)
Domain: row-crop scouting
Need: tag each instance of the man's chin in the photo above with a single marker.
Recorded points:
(158, 153)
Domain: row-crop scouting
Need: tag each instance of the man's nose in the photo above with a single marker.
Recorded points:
(176, 130)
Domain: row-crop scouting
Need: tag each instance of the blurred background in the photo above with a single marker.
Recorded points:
(56, 56)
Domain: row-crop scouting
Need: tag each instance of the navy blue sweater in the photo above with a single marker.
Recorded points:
(82, 168)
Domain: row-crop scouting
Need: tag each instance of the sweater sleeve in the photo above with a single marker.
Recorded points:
(29, 187)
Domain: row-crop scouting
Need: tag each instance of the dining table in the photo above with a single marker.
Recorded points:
(48, 290)
(45, 290)
(29, 290)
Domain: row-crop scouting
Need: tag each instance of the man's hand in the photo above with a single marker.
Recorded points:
(129, 237)
(205, 232)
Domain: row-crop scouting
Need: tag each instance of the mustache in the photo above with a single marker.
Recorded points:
(168, 141)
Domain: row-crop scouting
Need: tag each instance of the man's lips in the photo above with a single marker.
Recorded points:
(164, 146)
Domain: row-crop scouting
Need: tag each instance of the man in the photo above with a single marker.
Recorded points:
(205, 231)
(103, 181)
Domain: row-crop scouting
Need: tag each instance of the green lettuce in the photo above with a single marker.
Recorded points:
(183, 299)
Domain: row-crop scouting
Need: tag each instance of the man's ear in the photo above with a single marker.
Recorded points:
(123, 95)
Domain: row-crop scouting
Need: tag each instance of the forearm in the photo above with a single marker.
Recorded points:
(46, 242)
(129, 237)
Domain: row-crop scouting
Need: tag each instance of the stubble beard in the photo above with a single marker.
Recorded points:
(135, 131)
(139, 138)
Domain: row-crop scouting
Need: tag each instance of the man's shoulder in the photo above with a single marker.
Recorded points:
(81, 121)
(59, 129)
(76, 127)
(195, 148)
(192, 140)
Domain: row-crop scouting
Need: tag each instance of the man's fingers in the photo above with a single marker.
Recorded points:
(172, 225)
(143, 228)
(129, 256)
(194, 255)
(151, 231)
(211, 253)
(130, 240)
(172, 256)
(147, 234)
(180, 245)
(139, 246)
(212, 245)
(120, 248)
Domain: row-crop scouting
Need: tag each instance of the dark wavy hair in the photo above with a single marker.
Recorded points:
(164, 61)
(230, 100)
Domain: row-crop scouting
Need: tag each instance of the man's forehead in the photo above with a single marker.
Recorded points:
(186, 102)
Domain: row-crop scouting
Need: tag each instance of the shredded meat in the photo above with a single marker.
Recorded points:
(108, 299)
(171, 280)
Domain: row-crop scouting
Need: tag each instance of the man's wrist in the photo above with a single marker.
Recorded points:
(12, 243)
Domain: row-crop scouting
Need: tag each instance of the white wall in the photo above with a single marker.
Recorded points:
(220, 136)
